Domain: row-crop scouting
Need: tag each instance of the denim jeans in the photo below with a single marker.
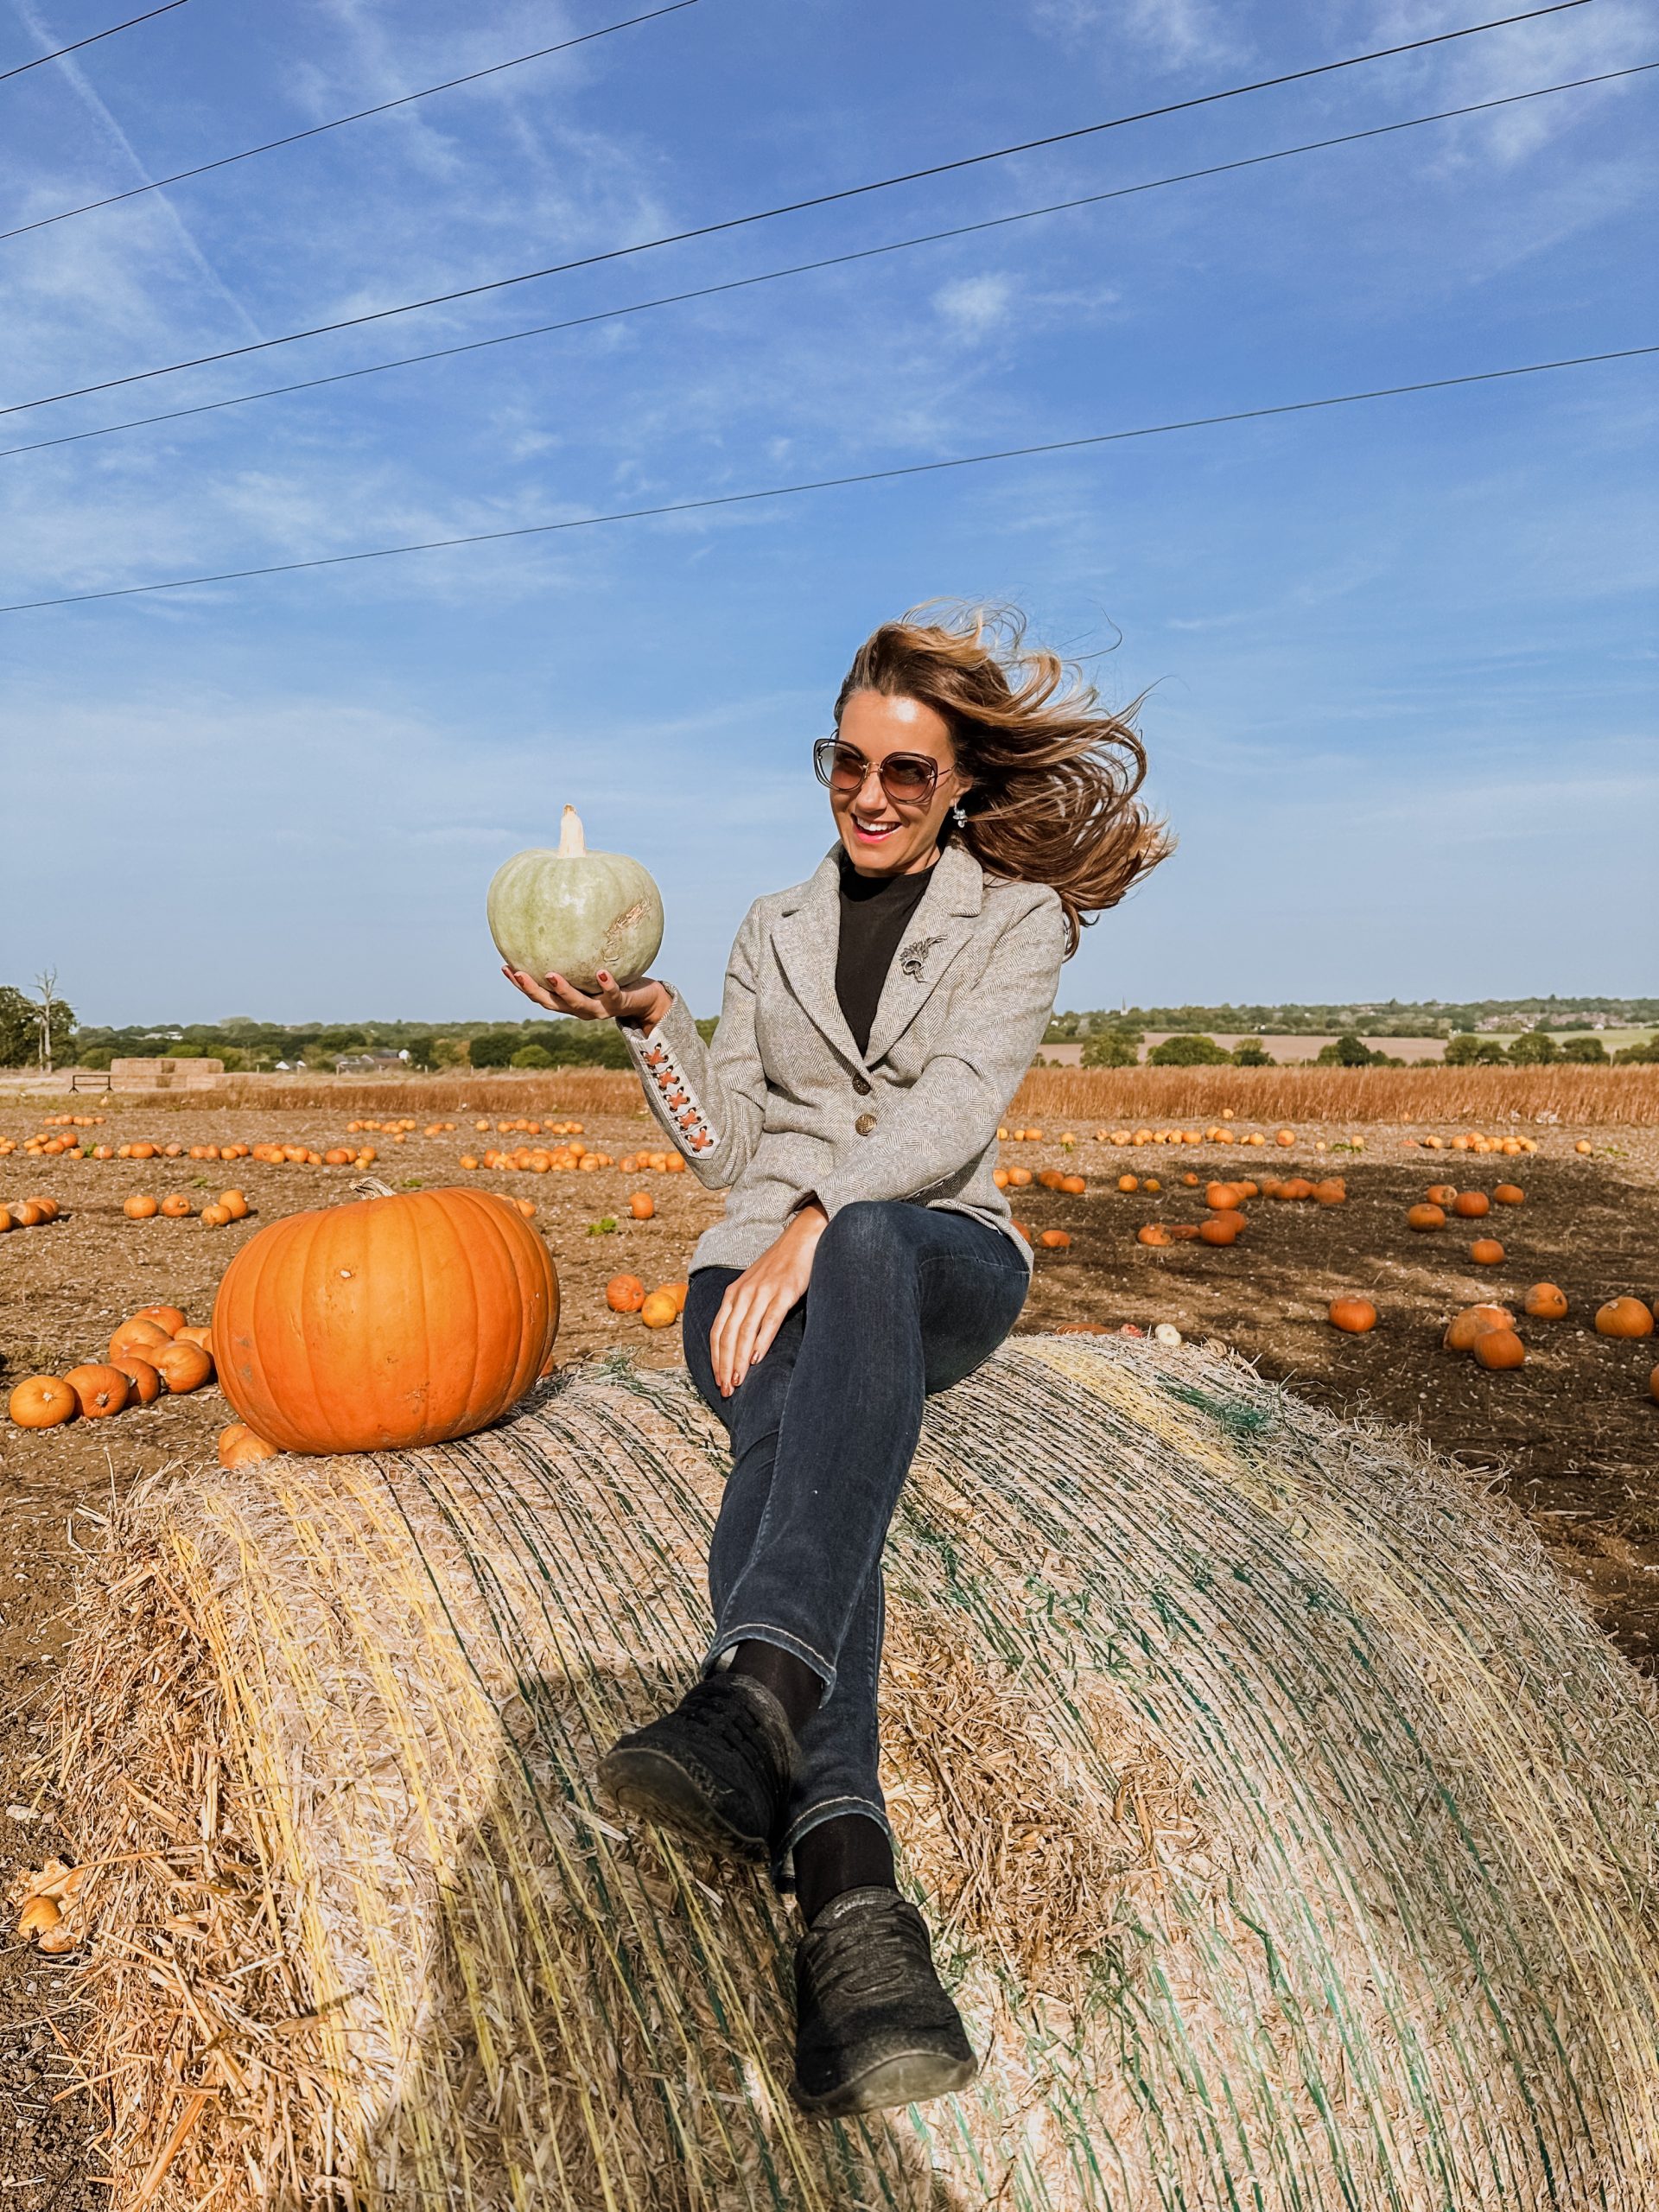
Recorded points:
(904, 1300)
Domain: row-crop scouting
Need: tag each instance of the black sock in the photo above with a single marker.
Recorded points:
(850, 1853)
(790, 1680)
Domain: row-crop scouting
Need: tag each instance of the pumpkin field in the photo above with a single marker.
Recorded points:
(1335, 1254)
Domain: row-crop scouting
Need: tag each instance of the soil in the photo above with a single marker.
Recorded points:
(1571, 1436)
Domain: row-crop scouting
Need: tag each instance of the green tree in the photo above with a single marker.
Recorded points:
(1186, 1051)
(1534, 1048)
(1585, 1051)
(493, 1049)
(1644, 1053)
(1349, 1051)
(20, 1028)
(1465, 1050)
(1062, 1028)
(450, 1053)
(532, 1056)
(421, 1048)
(1251, 1052)
(1111, 1049)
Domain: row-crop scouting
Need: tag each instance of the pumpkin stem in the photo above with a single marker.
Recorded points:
(371, 1186)
(572, 842)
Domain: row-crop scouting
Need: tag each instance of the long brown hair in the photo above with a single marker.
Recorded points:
(1054, 774)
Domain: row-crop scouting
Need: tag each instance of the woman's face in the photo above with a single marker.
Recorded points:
(882, 836)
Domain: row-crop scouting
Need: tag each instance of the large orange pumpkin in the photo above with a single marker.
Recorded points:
(396, 1321)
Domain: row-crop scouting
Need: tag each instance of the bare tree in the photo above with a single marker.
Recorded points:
(46, 985)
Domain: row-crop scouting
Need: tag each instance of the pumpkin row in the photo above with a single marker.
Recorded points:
(155, 1353)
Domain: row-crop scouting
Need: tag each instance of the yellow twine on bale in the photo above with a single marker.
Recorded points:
(1289, 1832)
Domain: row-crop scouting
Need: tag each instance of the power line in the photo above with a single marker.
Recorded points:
(830, 261)
(790, 207)
(91, 38)
(360, 115)
(839, 483)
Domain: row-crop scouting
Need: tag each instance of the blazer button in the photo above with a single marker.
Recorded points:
(861, 1086)
(865, 1124)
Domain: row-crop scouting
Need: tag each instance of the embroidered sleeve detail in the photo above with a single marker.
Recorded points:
(678, 1102)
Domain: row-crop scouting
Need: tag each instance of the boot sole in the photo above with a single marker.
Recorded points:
(653, 1787)
(908, 2077)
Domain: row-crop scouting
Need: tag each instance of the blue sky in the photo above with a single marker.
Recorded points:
(1401, 658)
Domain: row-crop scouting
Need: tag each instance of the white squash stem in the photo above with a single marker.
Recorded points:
(572, 842)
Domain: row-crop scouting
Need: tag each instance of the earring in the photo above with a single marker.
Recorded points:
(959, 814)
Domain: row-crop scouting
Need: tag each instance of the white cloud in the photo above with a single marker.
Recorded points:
(1168, 34)
(975, 306)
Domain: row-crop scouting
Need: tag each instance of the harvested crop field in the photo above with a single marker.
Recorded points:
(1571, 1435)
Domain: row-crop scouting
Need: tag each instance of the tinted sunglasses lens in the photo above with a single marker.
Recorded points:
(907, 777)
(847, 768)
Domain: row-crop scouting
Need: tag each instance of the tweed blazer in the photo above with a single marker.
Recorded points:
(782, 1106)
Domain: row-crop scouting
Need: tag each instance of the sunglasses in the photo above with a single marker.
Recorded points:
(908, 778)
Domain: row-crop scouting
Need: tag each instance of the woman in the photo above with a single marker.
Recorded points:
(877, 1020)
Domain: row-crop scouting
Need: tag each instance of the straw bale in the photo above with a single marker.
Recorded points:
(1289, 1832)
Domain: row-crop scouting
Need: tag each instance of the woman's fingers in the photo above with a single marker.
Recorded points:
(720, 1336)
(528, 985)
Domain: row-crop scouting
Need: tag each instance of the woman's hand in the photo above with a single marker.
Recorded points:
(648, 1002)
(755, 1305)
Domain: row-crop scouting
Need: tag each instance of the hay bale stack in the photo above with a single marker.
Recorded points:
(1290, 1832)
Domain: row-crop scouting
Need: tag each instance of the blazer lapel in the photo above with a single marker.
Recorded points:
(941, 925)
(806, 938)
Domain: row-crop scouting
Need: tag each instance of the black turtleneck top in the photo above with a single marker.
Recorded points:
(875, 911)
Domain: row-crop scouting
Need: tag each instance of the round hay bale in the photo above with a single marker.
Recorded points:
(1288, 1830)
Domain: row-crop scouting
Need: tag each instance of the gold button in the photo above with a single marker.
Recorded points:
(865, 1124)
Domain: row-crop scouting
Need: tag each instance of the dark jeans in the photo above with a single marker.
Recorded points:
(904, 1300)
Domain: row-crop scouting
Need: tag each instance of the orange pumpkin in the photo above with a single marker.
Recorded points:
(1623, 1317)
(1223, 1198)
(1284, 1136)
(1499, 1349)
(184, 1366)
(239, 1447)
(1054, 1240)
(47, 1208)
(169, 1319)
(1425, 1216)
(1472, 1206)
(394, 1321)
(1220, 1228)
(144, 1378)
(1441, 1194)
(1184, 1232)
(642, 1205)
(1545, 1302)
(1463, 1328)
(142, 1337)
(1355, 1317)
(1508, 1194)
(1486, 1252)
(677, 1291)
(1152, 1232)
(177, 1206)
(234, 1204)
(29, 1215)
(1128, 1182)
(1020, 1177)
(139, 1208)
(99, 1390)
(1152, 1184)
(1083, 1329)
(658, 1311)
(42, 1402)
(202, 1336)
(215, 1217)
(1333, 1191)
(1000, 1177)
(625, 1294)
(1075, 1186)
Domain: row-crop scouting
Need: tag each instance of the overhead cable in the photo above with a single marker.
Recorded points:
(338, 121)
(91, 38)
(837, 483)
(811, 267)
(790, 207)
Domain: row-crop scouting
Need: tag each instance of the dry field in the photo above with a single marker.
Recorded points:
(1571, 1435)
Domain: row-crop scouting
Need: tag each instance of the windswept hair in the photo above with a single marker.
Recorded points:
(1055, 775)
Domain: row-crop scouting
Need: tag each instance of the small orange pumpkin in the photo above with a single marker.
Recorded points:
(1544, 1302)
(1486, 1252)
(177, 1206)
(234, 1204)
(642, 1205)
(1074, 1186)
(1623, 1317)
(1223, 1198)
(1508, 1194)
(143, 1377)
(625, 1294)
(142, 1337)
(202, 1335)
(42, 1402)
(169, 1319)
(1441, 1194)
(1499, 1349)
(1463, 1328)
(1128, 1182)
(1152, 1232)
(99, 1390)
(659, 1309)
(1220, 1228)
(1425, 1216)
(1355, 1317)
(239, 1447)
(184, 1366)
(1472, 1206)
(215, 1217)
(1054, 1240)
(140, 1208)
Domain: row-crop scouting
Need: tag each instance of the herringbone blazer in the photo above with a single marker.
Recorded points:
(782, 1105)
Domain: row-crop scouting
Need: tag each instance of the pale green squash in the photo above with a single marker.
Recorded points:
(571, 913)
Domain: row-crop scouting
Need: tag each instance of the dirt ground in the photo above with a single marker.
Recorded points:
(1572, 1436)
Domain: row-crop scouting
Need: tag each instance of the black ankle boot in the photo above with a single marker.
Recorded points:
(874, 2025)
(717, 1769)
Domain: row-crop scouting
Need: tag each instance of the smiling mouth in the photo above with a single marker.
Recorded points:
(874, 829)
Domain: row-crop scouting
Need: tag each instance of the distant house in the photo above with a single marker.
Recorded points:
(381, 1061)
(290, 1067)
